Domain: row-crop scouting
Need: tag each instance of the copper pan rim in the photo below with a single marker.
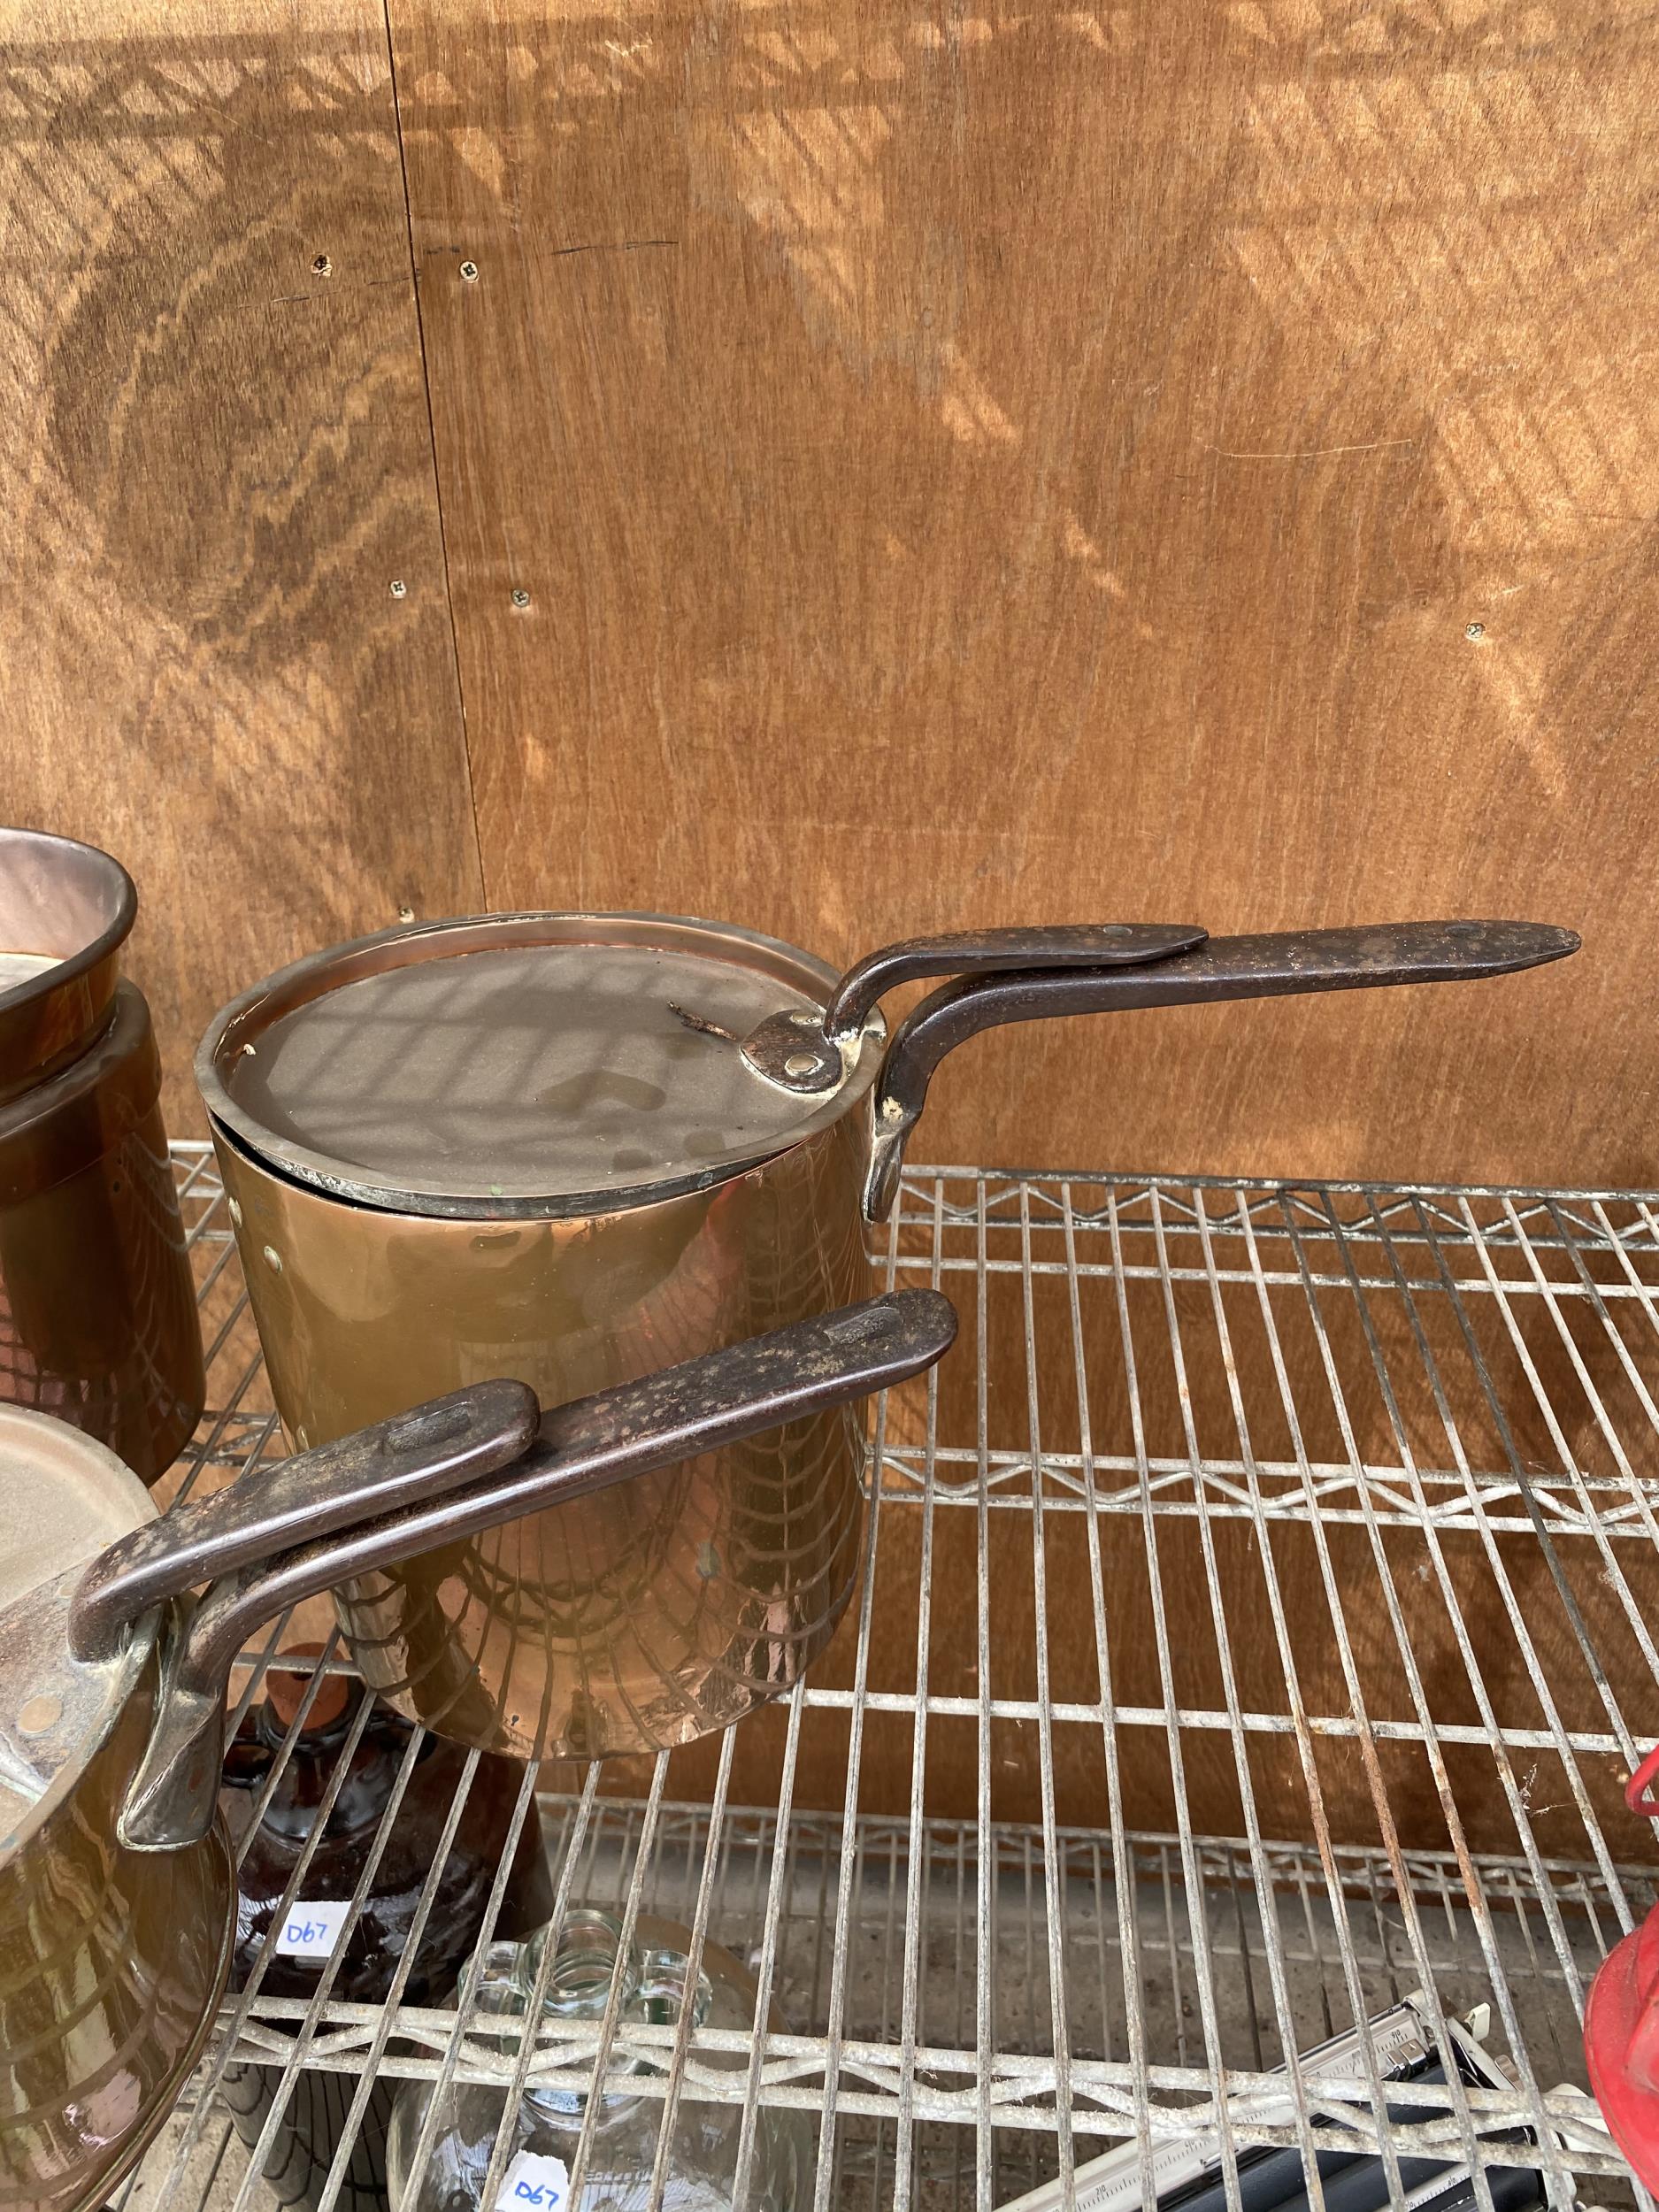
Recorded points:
(127, 1666)
(49, 1018)
(63, 1783)
(254, 1011)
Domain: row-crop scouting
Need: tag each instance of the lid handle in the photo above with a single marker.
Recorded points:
(700, 1406)
(1274, 966)
(804, 1054)
(993, 952)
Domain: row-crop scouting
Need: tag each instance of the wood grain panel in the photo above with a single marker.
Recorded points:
(216, 463)
(1175, 461)
(905, 467)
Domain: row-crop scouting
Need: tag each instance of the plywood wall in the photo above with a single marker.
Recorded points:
(1182, 460)
(860, 468)
(215, 464)
(1187, 460)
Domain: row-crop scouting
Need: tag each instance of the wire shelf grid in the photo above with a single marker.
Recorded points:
(1253, 1631)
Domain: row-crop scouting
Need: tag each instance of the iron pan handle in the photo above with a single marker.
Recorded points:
(700, 1406)
(802, 1052)
(1275, 966)
(415, 1456)
(980, 952)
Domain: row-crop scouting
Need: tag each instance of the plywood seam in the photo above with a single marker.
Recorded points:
(432, 448)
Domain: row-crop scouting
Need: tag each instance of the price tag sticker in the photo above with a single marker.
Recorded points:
(534, 2183)
(311, 1931)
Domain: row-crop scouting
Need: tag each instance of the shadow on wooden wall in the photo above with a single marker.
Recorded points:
(1176, 461)
(216, 463)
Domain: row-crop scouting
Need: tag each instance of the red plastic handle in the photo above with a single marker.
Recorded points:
(1636, 1789)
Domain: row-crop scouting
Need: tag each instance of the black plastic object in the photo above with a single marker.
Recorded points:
(1351, 2181)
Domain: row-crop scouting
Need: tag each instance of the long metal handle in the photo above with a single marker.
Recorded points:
(698, 1407)
(437, 1447)
(1271, 966)
(993, 952)
(800, 1053)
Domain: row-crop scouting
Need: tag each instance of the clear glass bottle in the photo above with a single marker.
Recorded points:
(702, 2161)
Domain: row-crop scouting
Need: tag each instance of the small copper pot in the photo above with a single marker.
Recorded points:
(98, 1322)
(118, 1893)
(569, 1146)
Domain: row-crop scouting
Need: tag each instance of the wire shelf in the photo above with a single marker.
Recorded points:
(1254, 1631)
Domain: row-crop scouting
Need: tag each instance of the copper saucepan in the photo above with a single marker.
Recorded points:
(117, 1890)
(66, 910)
(97, 1308)
(571, 1145)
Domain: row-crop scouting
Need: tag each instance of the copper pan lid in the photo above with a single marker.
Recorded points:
(62, 1498)
(520, 1066)
(66, 910)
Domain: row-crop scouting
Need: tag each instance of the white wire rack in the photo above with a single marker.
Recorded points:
(1254, 1630)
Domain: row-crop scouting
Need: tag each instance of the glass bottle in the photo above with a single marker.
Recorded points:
(701, 2174)
(313, 2120)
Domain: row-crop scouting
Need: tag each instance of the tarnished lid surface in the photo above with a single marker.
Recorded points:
(520, 1064)
(63, 1497)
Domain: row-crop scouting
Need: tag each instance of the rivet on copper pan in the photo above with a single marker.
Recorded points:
(36, 1714)
(235, 1213)
(274, 1259)
(799, 1063)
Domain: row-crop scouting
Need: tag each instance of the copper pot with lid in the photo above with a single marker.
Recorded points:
(117, 1890)
(570, 1146)
(97, 1307)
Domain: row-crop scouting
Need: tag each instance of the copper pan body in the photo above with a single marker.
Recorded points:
(98, 1322)
(646, 1614)
(112, 1965)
